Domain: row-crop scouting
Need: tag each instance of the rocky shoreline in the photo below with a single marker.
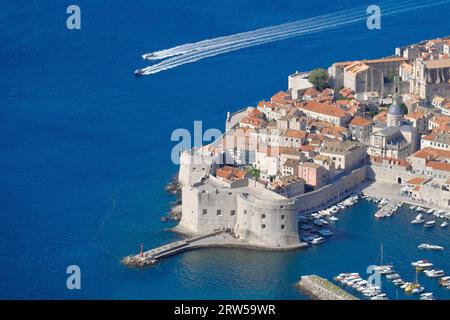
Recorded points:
(174, 187)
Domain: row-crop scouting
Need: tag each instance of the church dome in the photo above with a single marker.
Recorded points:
(395, 109)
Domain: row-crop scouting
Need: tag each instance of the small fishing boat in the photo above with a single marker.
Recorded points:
(444, 224)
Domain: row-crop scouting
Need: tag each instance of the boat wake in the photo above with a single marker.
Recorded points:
(192, 52)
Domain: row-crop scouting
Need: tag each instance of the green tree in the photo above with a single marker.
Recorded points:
(404, 108)
(319, 78)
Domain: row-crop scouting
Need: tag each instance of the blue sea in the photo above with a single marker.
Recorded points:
(86, 148)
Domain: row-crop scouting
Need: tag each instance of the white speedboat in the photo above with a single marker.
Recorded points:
(444, 224)
(413, 207)
(318, 240)
(333, 218)
(393, 276)
(427, 246)
(417, 290)
(417, 221)
(434, 273)
(430, 224)
(427, 296)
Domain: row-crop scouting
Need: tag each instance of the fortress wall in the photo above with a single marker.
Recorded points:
(192, 168)
(388, 174)
(331, 192)
(272, 223)
(207, 211)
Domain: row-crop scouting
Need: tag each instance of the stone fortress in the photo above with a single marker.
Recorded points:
(306, 149)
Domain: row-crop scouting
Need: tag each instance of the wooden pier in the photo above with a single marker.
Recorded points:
(388, 209)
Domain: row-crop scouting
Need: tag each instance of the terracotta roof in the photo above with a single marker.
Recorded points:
(253, 121)
(230, 173)
(359, 121)
(443, 166)
(322, 108)
(416, 181)
(431, 153)
(291, 133)
(311, 92)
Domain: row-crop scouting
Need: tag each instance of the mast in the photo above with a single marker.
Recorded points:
(381, 262)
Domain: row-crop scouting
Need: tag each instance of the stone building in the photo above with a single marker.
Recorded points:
(346, 155)
(369, 76)
(430, 78)
(360, 129)
(393, 139)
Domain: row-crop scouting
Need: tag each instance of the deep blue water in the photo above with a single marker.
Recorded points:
(86, 145)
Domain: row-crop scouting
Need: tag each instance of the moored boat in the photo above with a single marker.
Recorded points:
(427, 246)
(430, 224)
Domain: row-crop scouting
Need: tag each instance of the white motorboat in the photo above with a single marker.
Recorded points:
(444, 224)
(417, 290)
(318, 240)
(427, 246)
(430, 224)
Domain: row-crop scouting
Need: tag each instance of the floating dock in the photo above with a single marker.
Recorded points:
(319, 288)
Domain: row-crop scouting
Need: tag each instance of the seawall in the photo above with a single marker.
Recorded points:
(321, 289)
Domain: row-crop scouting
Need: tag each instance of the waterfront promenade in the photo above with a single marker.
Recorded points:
(391, 191)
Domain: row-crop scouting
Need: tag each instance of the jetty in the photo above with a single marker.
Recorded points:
(388, 209)
(319, 288)
(151, 257)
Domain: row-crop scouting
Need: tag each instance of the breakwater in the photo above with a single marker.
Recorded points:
(321, 289)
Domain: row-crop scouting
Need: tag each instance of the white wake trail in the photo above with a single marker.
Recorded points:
(201, 45)
(213, 47)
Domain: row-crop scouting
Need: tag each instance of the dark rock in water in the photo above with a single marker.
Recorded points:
(174, 186)
(175, 212)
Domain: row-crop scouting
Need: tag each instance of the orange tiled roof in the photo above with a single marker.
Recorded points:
(291, 133)
(416, 181)
(431, 153)
(443, 166)
(359, 121)
(322, 108)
